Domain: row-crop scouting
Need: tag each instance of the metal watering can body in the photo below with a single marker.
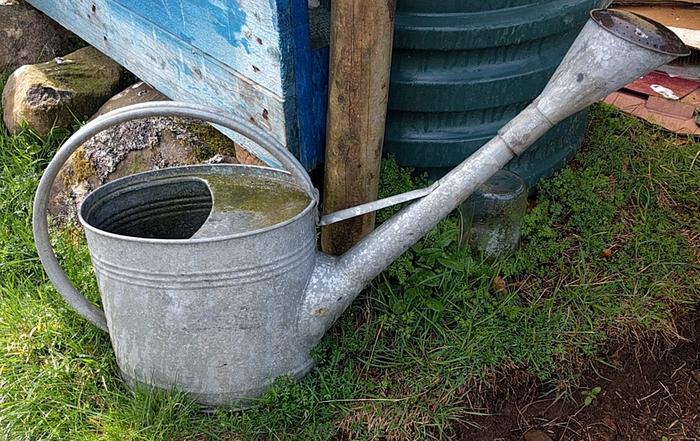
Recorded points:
(221, 317)
(216, 317)
(213, 316)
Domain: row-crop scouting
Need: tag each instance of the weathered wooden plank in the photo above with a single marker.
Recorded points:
(243, 34)
(177, 69)
(360, 60)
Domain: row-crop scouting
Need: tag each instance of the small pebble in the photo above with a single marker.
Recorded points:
(696, 375)
(537, 435)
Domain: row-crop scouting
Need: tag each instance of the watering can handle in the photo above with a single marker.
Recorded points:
(157, 108)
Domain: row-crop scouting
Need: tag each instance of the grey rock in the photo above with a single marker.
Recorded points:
(134, 147)
(27, 36)
(135, 94)
(60, 92)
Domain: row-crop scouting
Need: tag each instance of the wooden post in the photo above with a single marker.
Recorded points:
(360, 61)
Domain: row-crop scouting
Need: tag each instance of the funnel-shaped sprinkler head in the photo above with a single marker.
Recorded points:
(614, 48)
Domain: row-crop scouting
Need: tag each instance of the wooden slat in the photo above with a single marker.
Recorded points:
(243, 34)
(168, 63)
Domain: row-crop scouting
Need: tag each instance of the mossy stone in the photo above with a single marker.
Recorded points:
(135, 147)
(60, 93)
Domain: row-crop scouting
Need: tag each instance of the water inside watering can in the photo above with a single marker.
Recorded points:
(246, 203)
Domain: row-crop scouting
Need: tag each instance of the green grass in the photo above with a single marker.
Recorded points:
(606, 255)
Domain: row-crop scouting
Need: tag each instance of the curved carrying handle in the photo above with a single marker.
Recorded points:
(157, 108)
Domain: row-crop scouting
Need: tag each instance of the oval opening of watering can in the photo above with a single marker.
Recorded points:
(216, 304)
(213, 202)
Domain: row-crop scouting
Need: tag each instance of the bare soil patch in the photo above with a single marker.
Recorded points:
(644, 395)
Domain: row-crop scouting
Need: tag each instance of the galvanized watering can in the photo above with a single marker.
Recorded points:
(194, 305)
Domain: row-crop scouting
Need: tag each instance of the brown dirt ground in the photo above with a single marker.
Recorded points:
(650, 397)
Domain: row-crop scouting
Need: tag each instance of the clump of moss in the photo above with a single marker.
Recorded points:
(81, 169)
(211, 142)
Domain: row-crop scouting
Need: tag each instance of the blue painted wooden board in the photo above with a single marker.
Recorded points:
(242, 34)
(249, 57)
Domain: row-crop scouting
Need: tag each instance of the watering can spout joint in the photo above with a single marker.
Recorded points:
(526, 128)
(329, 292)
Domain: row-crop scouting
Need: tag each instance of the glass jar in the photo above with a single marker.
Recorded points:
(493, 214)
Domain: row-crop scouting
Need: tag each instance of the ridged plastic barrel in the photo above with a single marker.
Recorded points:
(461, 69)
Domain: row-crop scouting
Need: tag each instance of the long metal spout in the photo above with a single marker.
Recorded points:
(614, 48)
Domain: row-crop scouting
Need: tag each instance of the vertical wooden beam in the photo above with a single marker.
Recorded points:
(360, 61)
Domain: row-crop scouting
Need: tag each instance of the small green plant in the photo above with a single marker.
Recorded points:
(590, 395)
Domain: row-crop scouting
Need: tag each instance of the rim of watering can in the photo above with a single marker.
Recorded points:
(640, 30)
(310, 206)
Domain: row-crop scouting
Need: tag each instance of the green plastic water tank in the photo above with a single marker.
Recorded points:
(461, 69)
